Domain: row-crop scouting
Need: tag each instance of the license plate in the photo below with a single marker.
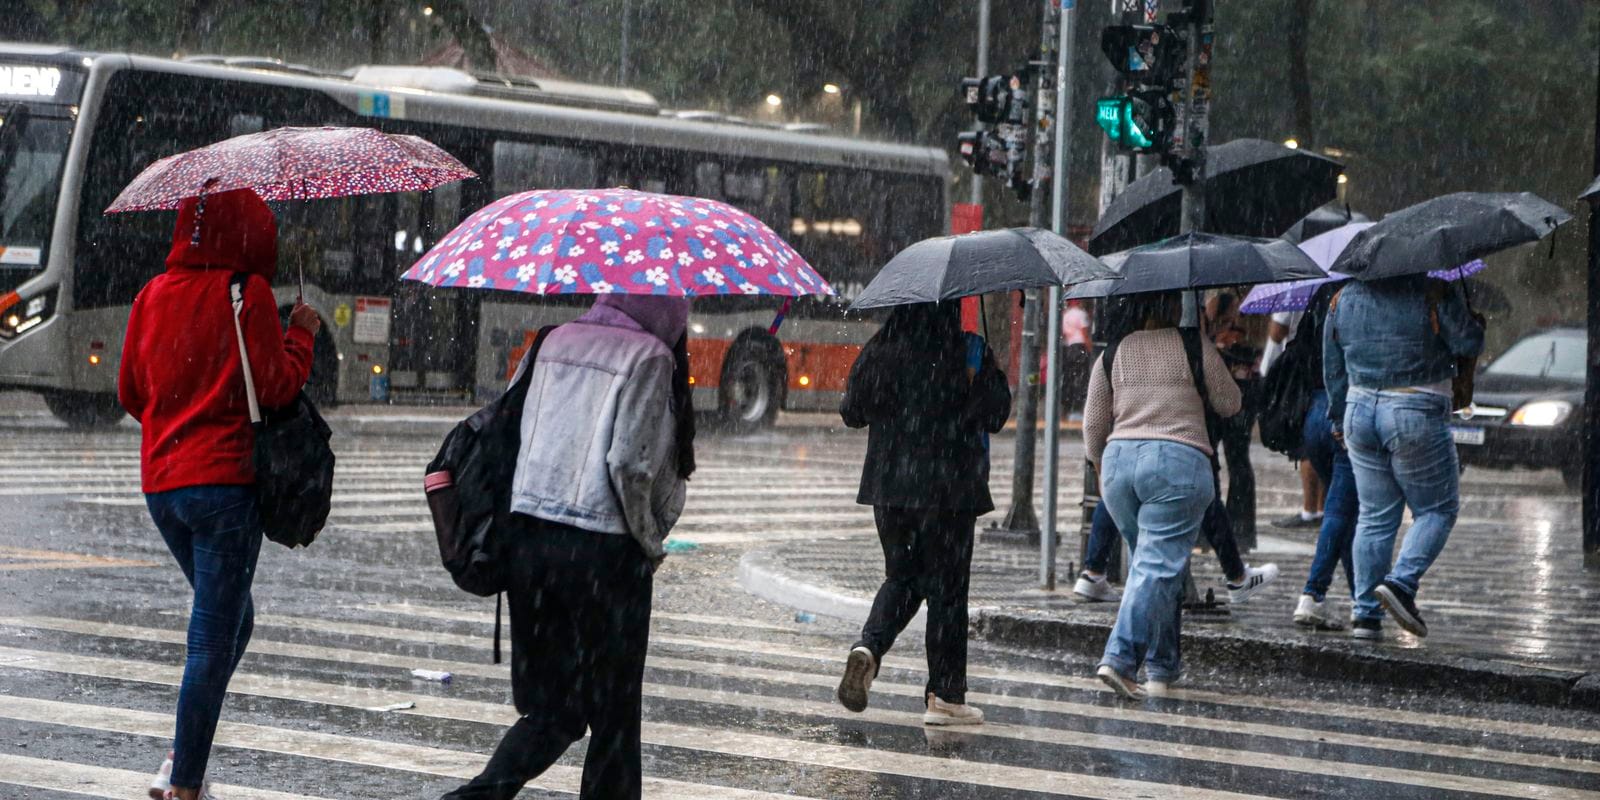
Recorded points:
(1467, 435)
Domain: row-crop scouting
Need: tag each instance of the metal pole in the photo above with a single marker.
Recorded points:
(1022, 519)
(622, 67)
(1591, 395)
(1058, 220)
(983, 69)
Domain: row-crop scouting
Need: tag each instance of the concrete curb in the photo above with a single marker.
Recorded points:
(759, 576)
(1465, 676)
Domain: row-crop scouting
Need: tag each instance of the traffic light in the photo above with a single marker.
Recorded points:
(987, 97)
(1000, 101)
(1139, 121)
(1148, 55)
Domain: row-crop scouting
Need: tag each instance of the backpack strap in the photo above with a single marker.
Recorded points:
(1197, 371)
(236, 285)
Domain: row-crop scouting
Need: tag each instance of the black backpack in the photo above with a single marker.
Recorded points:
(1286, 393)
(293, 457)
(469, 489)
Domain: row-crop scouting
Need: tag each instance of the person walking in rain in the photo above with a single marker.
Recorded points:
(607, 444)
(927, 406)
(1389, 356)
(181, 377)
(1144, 426)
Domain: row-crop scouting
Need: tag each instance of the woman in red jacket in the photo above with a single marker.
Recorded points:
(182, 379)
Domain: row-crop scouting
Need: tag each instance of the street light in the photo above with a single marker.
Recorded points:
(1292, 143)
(774, 100)
(427, 11)
(830, 88)
(1343, 179)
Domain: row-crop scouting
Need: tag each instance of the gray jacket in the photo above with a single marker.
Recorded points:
(598, 450)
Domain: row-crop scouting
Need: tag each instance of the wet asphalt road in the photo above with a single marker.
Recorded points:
(739, 694)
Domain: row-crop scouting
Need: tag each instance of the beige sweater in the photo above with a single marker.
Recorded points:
(1151, 394)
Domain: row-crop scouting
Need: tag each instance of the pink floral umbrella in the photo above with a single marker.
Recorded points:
(295, 164)
(598, 241)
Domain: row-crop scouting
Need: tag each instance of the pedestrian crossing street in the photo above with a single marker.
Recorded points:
(734, 709)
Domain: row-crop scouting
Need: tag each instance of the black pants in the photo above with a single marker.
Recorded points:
(580, 623)
(927, 555)
(1235, 433)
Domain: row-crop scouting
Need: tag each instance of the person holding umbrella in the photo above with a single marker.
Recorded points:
(182, 378)
(1394, 344)
(929, 395)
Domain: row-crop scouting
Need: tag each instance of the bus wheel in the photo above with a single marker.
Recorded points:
(84, 410)
(752, 386)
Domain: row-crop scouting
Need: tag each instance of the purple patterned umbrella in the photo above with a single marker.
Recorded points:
(295, 164)
(1324, 248)
(598, 241)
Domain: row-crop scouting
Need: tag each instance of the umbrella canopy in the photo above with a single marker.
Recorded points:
(1253, 188)
(951, 267)
(295, 164)
(598, 241)
(1200, 261)
(1270, 298)
(1591, 192)
(1448, 231)
(1327, 218)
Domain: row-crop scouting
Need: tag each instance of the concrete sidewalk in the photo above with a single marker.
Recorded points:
(1512, 613)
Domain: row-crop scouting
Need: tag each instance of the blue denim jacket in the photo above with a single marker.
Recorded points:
(1380, 336)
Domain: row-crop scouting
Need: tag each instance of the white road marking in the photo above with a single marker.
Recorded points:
(89, 780)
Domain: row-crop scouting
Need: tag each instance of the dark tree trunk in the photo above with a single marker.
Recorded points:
(1300, 71)
(189, 35)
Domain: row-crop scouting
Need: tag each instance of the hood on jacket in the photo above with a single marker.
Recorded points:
(232, 230)
(666, 318)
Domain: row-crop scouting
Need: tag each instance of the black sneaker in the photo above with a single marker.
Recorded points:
(1297, 520)
(1399, 603)
(1370, 629)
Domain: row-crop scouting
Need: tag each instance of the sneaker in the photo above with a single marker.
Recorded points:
(1126, 689)
(1399, 603)
(859, 670)
(1095, 590)
(162, 783)
(1299, 519)
(1313, 613)
(1254, 579)
(1155, 688)
(1368, 629)
(941, 713)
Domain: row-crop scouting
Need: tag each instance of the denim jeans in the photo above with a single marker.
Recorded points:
(1157, 491)
(1216, 528)
(1340, 509)
(1402, 455)
(214, 532)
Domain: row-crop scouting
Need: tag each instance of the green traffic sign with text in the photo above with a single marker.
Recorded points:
(1117, 119)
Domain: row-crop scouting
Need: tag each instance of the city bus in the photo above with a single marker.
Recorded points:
(76, 127)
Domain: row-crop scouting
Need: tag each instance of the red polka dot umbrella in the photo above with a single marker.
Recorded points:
(295, 164)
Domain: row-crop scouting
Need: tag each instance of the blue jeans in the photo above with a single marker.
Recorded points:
(1339, 509)
(1402, 455)
(1216, 527)
(1157, 492)
(215, 534)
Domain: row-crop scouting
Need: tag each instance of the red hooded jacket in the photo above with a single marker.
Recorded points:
(181, 376)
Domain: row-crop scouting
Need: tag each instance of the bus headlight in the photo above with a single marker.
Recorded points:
(1542, 414)
(18, 316)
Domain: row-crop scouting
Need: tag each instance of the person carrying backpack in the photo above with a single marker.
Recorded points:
(1145, 431)
(926, 476)
(607, 442)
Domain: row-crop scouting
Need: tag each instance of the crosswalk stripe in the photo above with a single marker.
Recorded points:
(701, 619)
(833, 657)
(725, 742)
(905, 719)
(353, 750)
(89, 780)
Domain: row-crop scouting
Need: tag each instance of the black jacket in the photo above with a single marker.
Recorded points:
(926, 412)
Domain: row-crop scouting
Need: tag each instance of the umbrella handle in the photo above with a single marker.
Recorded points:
(783, 311)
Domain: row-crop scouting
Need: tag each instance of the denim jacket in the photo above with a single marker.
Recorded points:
(598, 448)
(1380, 336)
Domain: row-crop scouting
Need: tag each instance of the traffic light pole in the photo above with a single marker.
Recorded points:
(983, 69)
(1059, 176)
(1021, 519)
(1591, 395)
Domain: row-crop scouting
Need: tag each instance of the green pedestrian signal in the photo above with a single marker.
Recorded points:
(1134, 122)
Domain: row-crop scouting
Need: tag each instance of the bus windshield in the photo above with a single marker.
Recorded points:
(32, 149)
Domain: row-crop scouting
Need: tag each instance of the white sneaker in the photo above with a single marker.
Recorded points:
(1126, 689)
(1158, 688)
(859, 671)
(162, 783)
(1313, 613)
(1254, 579)
(941, 713)
(1095, 590)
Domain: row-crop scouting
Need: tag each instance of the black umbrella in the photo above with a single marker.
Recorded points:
(1321, 221)
(1253, 188)
(950, 267)
(1591, 192)
(1446, 231)
(1201, 261)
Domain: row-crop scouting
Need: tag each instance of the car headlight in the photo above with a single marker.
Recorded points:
(1542, 414)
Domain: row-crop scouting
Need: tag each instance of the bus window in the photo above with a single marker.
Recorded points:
(520, 166)
(837, 225)
(708, 180)
(241, 124)
(32, 148)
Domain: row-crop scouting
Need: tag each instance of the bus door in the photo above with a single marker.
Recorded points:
(434, 332)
